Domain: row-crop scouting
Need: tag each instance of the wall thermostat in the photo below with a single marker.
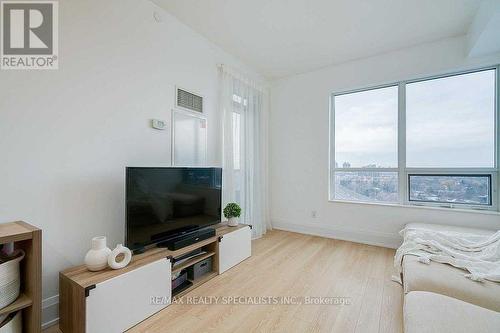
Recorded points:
(158, 124)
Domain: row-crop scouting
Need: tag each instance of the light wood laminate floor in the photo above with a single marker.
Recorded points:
(286, 264)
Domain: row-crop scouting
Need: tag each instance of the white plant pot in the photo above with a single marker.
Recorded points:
(232, 221)
(97, 258)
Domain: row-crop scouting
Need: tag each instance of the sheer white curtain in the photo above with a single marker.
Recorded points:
(244, 115)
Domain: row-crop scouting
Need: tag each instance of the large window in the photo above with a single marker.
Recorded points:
(426, 142)
(450, 122)
(366, 140)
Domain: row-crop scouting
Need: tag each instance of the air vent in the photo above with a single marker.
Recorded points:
(189, 101)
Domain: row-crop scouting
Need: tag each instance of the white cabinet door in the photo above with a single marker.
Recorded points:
(121, 302)
(234, 247)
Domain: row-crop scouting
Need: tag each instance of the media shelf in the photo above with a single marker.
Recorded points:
(181, 288)
(192, 261)
(88, 298)
(190, 284)
(194, 284)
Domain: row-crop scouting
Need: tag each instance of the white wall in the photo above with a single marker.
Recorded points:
(299, 146)
(67, 135)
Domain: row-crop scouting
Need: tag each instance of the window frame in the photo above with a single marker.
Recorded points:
(401, 169)
(449, 204)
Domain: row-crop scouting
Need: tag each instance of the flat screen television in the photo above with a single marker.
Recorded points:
(164, 203)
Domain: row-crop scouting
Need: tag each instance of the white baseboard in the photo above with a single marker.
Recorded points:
(382, 239)
(50, 311)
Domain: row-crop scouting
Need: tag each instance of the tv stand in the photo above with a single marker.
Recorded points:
(89, 299)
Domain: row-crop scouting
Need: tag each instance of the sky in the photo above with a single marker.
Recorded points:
(449, 123)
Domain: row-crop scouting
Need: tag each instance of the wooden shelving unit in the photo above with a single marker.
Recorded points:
(20, 303)
(77, 283)
(79, 286)
(29, 239)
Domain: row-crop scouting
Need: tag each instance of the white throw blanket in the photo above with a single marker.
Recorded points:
(477, 254)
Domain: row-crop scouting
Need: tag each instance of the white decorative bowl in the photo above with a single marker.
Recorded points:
(14, 325)
(10, 281)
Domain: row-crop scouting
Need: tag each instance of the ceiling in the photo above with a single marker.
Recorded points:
(285, 37)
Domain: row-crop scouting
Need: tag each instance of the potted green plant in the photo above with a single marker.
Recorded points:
(232, 212)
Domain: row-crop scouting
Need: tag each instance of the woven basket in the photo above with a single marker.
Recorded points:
(14, 325)
(10, 281)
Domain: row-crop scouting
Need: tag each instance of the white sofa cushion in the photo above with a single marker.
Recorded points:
(426, 312)
(448, 280)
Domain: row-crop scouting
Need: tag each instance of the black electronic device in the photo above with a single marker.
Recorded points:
(171, 205)
(188, 239)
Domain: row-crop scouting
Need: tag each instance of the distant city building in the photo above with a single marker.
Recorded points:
(346, 165)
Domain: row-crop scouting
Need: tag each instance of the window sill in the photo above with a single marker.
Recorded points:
(458, 210)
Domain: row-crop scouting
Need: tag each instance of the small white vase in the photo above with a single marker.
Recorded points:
(97, 257)
(232, 221)
(119, 249)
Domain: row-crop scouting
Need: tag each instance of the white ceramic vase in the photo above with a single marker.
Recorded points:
(232, 221)
(119, 249)
(97, 258)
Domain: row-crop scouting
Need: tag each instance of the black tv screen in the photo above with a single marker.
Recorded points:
(162, 203)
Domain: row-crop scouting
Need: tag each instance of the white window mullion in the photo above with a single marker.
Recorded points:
(366, 169)
(331, 150)
(403, 188)
(495, 190)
